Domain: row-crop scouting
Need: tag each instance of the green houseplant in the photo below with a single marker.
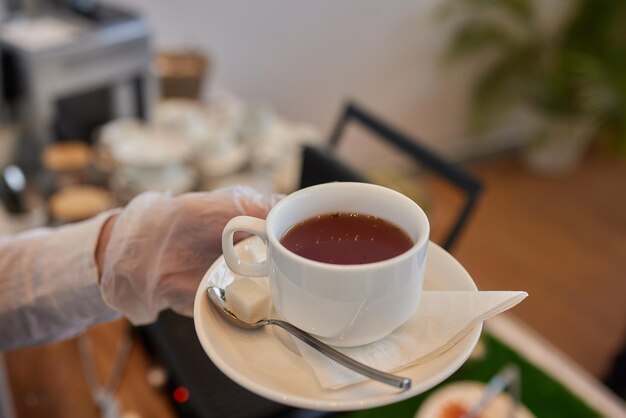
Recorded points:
(570, 76)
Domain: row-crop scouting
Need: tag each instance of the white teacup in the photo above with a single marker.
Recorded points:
(344, 305)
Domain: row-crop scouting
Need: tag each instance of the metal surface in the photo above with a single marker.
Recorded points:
(218, 301)
(112, 52)
(104, 395)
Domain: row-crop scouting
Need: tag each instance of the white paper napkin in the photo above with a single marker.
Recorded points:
(441, 320)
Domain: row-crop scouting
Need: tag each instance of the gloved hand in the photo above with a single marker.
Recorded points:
(161, 246)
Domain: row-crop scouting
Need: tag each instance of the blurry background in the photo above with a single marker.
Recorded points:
(526, 99)
(306, 59)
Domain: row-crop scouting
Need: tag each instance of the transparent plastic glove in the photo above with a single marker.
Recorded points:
(161, 246)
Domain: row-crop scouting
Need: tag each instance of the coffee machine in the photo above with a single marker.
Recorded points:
(68, 66)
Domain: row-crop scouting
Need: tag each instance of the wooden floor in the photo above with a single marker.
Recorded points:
(562, 239)
(48, 381)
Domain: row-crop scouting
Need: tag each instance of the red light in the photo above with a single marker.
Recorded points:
(181, 394)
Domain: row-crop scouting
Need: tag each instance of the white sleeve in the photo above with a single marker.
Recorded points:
(49, 284)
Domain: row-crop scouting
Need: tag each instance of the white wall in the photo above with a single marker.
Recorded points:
(307, 58)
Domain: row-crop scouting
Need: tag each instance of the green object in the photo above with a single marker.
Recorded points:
(574, 70)
(541, 394)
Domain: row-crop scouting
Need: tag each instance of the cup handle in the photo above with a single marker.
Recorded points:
(254, 226)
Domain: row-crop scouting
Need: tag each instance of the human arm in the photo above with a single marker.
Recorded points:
(147, 257)
(49, 284)
(103, 241)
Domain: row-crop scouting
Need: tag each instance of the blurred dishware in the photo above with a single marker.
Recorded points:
(79, 202)
(214, 131)
(277, 152)
(224, 150)
(505, 380)
(66, 163)
(146, 146)
(456, 399)
(66, 156)
(142, 158)
(128, 182)
(183, 117)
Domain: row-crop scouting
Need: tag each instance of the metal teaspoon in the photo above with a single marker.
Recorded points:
(217, 297)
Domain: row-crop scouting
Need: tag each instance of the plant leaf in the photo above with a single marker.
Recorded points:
(474, 37)
(494, 93)
(522, 11)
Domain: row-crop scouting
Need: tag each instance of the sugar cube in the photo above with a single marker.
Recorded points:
(248, 299)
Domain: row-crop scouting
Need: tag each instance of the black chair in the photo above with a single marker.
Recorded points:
(321, 165)
(616, 377)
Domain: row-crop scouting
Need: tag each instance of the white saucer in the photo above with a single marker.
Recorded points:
(465, 394)
(259, 362)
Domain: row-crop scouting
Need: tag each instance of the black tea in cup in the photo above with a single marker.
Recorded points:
(346, 238)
